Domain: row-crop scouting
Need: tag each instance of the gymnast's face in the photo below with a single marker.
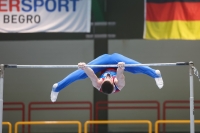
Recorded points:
(109, 78)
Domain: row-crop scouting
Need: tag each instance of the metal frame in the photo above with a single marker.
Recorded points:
(9, 126)
(48, 123)
(192, 70)
(172, 122)
(119, 122)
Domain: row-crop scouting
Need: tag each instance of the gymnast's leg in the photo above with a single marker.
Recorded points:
(139, 69)
(80, 74)
(136, 70)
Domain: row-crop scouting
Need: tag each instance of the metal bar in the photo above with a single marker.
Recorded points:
(127, 102)
(100, 36)
(60, 108)
(165, 107)
(12, 109)
(31, 108)
(172, 122)
(76, 66)
(191, 99)
(119, 122)
(16, 109)
(103, 23)
(179, 101)
(1, 94)
(9, 126)
(180, 107)
(124, 107)
(48, 122)
(101, 105)
(61, 102)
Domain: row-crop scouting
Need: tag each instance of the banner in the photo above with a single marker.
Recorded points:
(27, 16)
(172, 19)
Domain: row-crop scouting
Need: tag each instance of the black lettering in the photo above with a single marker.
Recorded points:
(6, 19)
(37, 19)
(14, 19)
(29, 18)
(21, 19)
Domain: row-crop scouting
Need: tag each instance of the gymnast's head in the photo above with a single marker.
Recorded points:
(107, 85)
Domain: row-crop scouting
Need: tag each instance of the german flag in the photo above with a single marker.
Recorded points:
(172, 19)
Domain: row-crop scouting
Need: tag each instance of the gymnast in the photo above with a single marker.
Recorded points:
(112, 80)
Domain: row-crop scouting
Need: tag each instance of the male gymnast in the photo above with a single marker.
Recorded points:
(112, 80)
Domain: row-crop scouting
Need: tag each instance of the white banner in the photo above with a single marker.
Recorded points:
(26, 16)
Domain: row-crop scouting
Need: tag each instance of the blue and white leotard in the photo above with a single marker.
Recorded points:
(113, 74)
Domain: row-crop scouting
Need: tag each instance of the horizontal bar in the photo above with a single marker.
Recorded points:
(77, 102)
(180, 107)
(175, 121)
(12, 108)
(118, 122)
(103, 23)
(76, 66)
(126, 102)
(100, 36)
(183, 63)
(124, 107)
(46, 122)
(60, 108)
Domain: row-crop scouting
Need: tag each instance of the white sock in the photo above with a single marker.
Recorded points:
(54, 95)
(159, 80)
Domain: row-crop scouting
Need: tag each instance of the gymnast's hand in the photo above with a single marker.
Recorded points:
(121, 65)
(81, 65)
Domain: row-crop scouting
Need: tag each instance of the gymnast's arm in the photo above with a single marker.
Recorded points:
(90, 73)
(120, 75)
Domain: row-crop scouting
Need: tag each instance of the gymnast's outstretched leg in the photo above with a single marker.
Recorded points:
(139, 69)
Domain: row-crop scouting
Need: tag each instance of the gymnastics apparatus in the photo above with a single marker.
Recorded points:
(192, 70)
